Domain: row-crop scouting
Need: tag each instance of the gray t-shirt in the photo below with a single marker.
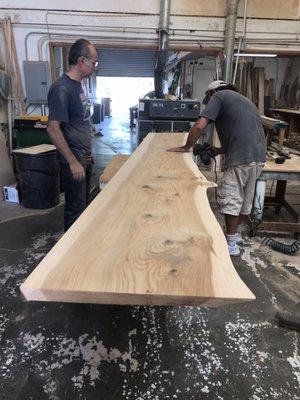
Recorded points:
(239, 127)
(68, 105)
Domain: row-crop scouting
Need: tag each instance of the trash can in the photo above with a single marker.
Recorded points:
(39, 178)
(107, 108)
(96, 117)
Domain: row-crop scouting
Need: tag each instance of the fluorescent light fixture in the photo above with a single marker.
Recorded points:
(255, 55)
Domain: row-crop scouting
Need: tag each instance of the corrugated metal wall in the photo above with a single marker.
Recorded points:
(130, 63)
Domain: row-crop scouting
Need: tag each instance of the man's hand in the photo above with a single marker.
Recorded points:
(194, 133)
(77, 171)
(182, 149)
(217, 150)
(62, 146)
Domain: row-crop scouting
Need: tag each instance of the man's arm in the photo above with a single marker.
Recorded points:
(60, 143)
(194, 134)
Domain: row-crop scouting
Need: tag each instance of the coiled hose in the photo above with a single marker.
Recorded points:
(281, 247)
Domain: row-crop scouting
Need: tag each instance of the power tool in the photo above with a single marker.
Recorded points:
(204, 151)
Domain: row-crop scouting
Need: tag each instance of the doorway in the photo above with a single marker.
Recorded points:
(124, 92)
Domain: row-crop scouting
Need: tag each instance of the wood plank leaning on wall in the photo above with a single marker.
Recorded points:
(149, 237)
(7, 176)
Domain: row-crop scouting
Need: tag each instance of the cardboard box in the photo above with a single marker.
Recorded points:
(11, 193)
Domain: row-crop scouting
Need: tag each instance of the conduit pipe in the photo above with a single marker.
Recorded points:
(163, 31)
(242, 41)
(229, 38)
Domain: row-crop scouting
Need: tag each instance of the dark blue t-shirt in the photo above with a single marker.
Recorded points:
(68, 105)
(239, 127)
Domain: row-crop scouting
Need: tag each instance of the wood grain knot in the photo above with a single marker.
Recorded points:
(152, 218)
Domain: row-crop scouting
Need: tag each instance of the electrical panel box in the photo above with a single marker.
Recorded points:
(37, 81)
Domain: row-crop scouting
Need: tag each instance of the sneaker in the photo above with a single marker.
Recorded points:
(233, 249)
(238, 238)
(235, 238)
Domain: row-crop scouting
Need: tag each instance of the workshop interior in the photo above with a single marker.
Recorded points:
(140, 299)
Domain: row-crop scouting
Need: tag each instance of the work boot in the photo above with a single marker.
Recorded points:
(290, 318)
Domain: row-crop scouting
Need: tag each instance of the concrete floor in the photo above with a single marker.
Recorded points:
(72, 351)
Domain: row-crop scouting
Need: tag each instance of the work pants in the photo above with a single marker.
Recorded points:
(76, 193)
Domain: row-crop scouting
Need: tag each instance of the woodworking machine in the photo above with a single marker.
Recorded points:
(159, 115)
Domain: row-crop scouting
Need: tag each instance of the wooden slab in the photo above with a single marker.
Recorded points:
(272, 122)
(33, 150)
(290, 165)
(7, 176)
(286, 110)
(149, 237)
(113, 167)
(261, 90)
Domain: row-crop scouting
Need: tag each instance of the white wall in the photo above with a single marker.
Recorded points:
(295, 71)
(204, 70)
(198, 74)
(275, 68)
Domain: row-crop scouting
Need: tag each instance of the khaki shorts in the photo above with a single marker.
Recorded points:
(236, 191)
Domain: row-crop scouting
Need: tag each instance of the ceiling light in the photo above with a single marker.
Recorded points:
(255, 55)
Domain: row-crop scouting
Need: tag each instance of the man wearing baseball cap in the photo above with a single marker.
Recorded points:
(243, 142)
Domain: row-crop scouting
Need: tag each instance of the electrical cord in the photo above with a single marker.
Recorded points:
(215, 170)
(272, 187)
(216, 180)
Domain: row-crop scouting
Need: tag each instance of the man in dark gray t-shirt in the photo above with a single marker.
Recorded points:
(243, 142)
(239, 127)
(67, 104)
(69, 128)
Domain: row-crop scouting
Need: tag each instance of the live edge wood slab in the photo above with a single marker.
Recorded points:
(148, 238)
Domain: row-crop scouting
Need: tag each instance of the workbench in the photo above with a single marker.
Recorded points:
(292, 117)
(274, 126)
(288, 171)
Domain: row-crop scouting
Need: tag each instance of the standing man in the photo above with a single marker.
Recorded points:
(243, 142)
(69, 128)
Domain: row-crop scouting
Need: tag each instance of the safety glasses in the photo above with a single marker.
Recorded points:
(94, 63)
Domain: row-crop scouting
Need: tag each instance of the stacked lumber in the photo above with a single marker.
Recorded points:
(149, 237)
